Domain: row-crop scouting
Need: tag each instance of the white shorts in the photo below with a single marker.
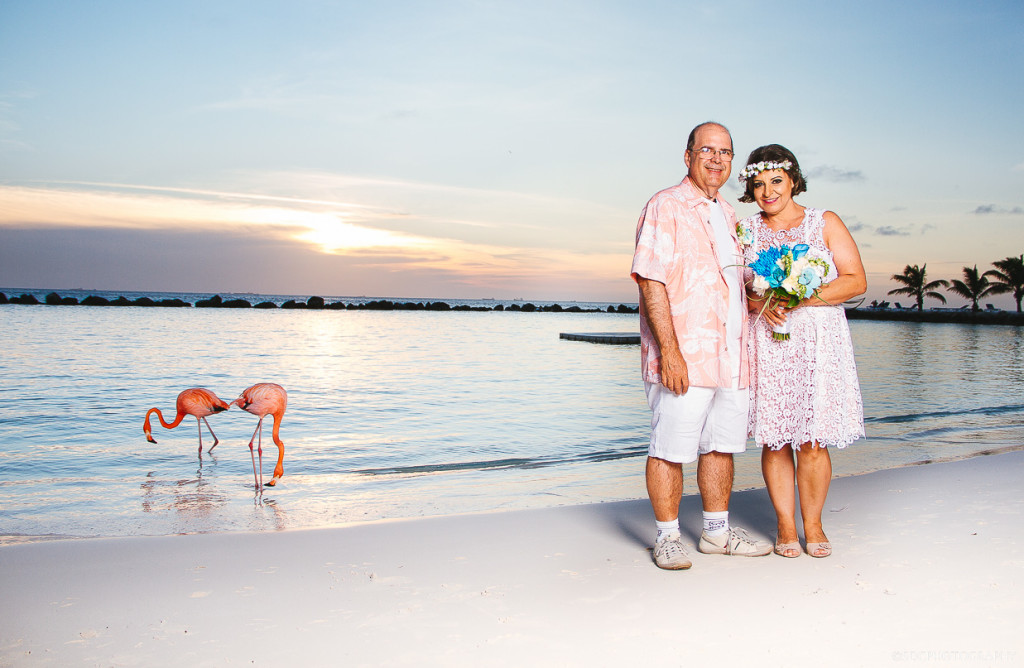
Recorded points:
(705, 419)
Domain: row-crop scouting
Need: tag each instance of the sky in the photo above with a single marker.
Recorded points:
(484, 149)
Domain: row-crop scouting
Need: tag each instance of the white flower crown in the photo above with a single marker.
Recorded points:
(756, 168)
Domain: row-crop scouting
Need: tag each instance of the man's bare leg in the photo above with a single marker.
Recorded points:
(714, 480)
(665, 488)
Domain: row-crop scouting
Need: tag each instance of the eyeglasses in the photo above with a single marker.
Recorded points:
(706, 153)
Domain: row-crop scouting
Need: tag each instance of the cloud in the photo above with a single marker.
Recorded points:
(889, 231)
(273, 262)
(328, 225)
(986, 209)
(334, 211)
(161, 238)
(835, 174)
(463, 214)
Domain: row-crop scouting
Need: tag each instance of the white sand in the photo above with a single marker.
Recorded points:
(926, 572)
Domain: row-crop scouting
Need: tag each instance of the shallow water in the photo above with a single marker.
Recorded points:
(405, 413)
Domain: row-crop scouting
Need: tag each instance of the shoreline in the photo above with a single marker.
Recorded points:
(25, 539)
(53, 298)
(956, 317)
(924, 569)
(28, 298)
(28, 539)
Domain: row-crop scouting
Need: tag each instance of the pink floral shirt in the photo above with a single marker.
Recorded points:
(675, 245)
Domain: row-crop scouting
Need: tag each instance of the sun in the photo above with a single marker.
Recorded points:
(331, 232)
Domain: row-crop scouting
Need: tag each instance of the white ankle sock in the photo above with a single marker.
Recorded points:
(717, 523)
(665, 528)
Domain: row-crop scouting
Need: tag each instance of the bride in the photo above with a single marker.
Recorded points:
(804, 392)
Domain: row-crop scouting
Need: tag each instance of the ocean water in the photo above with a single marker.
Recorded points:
(403, 414)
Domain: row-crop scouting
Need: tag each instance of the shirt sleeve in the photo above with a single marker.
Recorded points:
(655, 242)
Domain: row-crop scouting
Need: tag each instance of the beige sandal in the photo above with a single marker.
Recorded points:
(782, 548)
(824, 547)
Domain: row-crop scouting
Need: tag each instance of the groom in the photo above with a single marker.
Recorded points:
(693, 351)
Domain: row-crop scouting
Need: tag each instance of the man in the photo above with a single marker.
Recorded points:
(693, 333)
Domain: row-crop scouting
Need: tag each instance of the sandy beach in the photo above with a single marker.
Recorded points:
(926, 571)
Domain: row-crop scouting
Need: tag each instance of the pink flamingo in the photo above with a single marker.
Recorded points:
(265, 399)
(197, 401)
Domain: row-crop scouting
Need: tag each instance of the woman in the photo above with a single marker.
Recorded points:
(804, 391)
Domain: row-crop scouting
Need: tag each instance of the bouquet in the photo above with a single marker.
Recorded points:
(787, 275)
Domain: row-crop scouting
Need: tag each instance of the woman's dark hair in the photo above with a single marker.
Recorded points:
(774, 153)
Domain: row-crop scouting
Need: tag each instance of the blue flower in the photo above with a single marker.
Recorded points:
(810, 278)
(777, 276)
(767, 260)
(799, 251)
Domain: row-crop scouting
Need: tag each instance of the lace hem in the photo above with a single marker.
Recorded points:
(838, 444)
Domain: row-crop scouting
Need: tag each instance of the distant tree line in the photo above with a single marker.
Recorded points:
(313, 303)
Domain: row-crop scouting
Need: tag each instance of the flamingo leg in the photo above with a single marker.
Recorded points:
(215, 439)
(256, 483)
(200, 426)
(259, 448)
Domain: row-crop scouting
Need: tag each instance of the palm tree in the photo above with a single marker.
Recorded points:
(914, 283)
(973, 287)
(1009, 277)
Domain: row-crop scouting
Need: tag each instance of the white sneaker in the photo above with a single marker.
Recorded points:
(736, 542)
(670, 554)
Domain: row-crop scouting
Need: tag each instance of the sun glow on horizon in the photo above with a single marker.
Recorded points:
(323, 227)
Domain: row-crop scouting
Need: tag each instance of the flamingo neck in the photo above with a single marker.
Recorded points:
(164, 423)
(277, 429)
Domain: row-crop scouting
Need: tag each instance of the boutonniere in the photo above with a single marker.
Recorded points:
(745, 236)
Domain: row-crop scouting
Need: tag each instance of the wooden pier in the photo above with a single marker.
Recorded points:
(615, 338)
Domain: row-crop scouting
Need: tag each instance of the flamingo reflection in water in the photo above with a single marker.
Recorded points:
(265, 399)
(197, 401)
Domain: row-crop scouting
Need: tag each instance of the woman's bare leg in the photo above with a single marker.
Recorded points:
(813, 475)
(779, 472)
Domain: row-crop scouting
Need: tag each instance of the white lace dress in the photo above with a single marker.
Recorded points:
(804, 389)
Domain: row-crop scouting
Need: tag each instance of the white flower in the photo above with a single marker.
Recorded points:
(754, 169)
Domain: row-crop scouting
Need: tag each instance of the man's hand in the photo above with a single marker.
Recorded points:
(659, 319)
(673, 371)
